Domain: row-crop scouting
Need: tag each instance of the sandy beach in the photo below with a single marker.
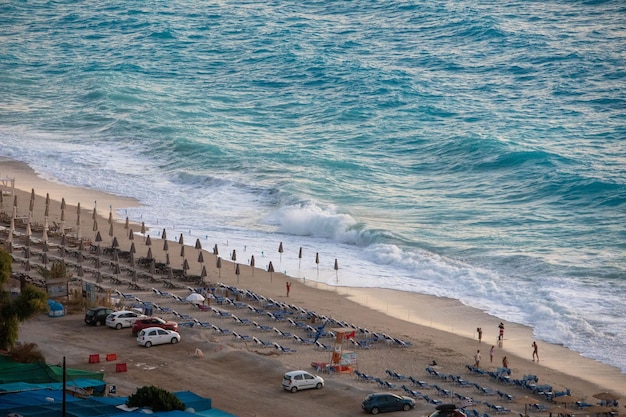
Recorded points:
(437, 329)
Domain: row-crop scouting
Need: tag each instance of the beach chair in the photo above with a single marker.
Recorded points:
(241, 337)
(221, 330)
(323, 346)
(412, 393)
(262, 327)
(395, 375)
(204, 324)
(419, 383)
(431, 400)
(486, 391)
(283, 349)
(504, 395)
(442, 391)
(304, 341)
(261, 342)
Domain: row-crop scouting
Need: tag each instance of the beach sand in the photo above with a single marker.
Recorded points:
(438, 329)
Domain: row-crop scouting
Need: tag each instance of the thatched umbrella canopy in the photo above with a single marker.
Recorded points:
(270, 269)
(299, 257)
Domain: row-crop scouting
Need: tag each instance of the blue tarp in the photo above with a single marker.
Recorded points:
(41, 397)
(192, 400)
(46, 402)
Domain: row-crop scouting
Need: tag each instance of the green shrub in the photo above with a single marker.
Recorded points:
(156, 398)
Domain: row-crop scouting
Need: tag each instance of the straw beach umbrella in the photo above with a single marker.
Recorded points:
(237, 272)
(164, 234)
(203, 274)
(252, 264)
(299, 257)
(201, 259)
(233, 256)
(526, 400)
(336, 270)
(78, 233)
(131, 235)
(215, 250)
(317, 262)
(270, 269)
(280, 251)
(218, 264)
(606, 396)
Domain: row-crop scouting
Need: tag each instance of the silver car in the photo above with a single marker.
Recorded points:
(119, 319)
(299, 380)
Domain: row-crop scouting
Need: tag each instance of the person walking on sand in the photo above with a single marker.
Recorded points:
(491, 352)
(505, 362)
(477, 359)
(535, 351)
(288, 285)
(480, 334)
(501, 334)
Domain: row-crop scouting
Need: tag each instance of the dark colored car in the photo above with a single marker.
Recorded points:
(97, 316)
(144, 323)
(386, 401)
(447, 410)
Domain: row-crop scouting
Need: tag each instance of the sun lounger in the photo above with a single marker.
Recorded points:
(412, 393)
(323, 346)
(305, 341)
(261, 342)
(242, 337)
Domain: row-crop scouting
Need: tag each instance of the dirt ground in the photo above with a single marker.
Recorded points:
(242, 381)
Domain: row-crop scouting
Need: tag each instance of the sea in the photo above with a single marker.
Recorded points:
(465, 149)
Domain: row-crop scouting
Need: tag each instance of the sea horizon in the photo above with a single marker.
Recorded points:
(460, 151)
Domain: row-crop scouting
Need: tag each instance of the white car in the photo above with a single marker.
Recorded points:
(298, 380)
(124, 318)
(157, 336)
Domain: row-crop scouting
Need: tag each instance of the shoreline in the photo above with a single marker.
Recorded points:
(412, 309)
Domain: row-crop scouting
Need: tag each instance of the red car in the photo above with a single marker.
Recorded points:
(144, 323)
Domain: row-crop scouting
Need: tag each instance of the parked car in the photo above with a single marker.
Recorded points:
(447, 410)
(157, 336)
(385, 401)
(97, 316)
(125, 318)
(144, 323)
(299, 380)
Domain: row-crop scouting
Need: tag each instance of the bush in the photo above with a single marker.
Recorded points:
(26, 353)
(156, 398)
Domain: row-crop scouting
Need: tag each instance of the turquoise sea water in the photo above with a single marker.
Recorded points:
(464, 149)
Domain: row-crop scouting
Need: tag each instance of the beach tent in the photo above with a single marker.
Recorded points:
(56, 309)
